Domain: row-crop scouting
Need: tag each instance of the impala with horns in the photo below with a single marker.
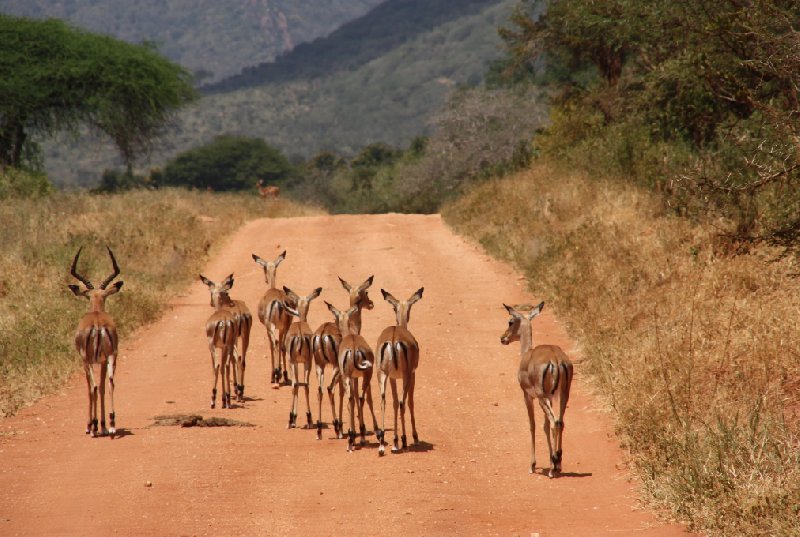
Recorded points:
(96, 340)
(398, 357)
(298, 346)
(276, 319)
(243, 322)
(221, 333)
(545, 373)
(356, 360)
(358, 297)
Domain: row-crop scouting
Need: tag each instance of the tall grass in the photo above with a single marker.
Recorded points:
(697, 354)
(160, 238)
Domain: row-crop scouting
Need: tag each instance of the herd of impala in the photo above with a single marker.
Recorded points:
(545, 373)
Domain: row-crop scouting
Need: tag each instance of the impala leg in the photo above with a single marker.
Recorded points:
(307, 378)
(396, 405)
(86, 369)
(320, 384)
(93, 401)
(112, 362)
(403, 402)
(360, 402)
(368, 391)
(234, 366)
(215, 373)
(295, 389)
(245, 345)
(274, 351)
(351, 401)
(412, 384)
(282, 347)
(532, 423)
(548, 420)
(223, 369)
(382, 431)
(103, 373)
(334, 381)
(341, 404)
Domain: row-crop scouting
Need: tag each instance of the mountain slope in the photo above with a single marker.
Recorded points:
(391, 99)
(356, 43)
(214, 39)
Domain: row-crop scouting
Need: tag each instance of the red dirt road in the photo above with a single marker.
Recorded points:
(469, 478)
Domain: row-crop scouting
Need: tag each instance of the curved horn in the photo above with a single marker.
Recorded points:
(74, 272)
(116, 270)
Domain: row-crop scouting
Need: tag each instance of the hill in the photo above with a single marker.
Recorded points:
(390, 98)
(214, 39)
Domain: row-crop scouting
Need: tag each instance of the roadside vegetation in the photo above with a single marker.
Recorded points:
(696, 353)
(660, 221)
(161, 238)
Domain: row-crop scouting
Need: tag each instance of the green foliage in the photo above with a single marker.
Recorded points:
(55, 77)
(701, 97)
(228, 163)
(123, 180)
(15, 183)
(480, 134)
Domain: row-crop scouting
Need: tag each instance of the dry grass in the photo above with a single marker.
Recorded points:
(160, 239)
(697, 354)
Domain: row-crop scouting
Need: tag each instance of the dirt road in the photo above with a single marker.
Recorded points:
(469, 478)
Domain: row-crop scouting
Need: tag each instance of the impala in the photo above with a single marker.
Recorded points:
(360, 297)
(398, 357)
(273, 315)
(96, 340)
(355, 362)
(243, 323)
(268, 192)
(325, 347)
(221, 332)
(298, 345)
(545, 373)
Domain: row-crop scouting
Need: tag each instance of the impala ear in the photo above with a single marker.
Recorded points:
(352, 310)
(114, 289)
(416, 296)
(76, 290)
(536, 311)
(279, 259)
(259, 260)
(346, 285)
(206, 281)
(314, 294)
(228, 283)
(387, 296)
(332, 309)
(511, 310)
(364, 286)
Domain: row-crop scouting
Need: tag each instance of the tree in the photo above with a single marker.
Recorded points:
(228, 163)
(54, 77)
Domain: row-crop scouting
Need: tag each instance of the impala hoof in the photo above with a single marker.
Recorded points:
(381, 452)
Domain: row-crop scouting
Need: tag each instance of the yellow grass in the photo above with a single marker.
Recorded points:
(697, 354)
(160, 238)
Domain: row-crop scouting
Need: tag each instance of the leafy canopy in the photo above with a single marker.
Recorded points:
(54, 77)
(228, 163)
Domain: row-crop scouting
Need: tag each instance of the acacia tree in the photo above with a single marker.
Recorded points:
(55, 77)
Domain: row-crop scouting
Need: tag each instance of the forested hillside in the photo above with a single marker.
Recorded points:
(213, 39)
(391, 99)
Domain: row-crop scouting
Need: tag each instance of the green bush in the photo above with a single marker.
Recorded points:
(15, 183)
(228, 163)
